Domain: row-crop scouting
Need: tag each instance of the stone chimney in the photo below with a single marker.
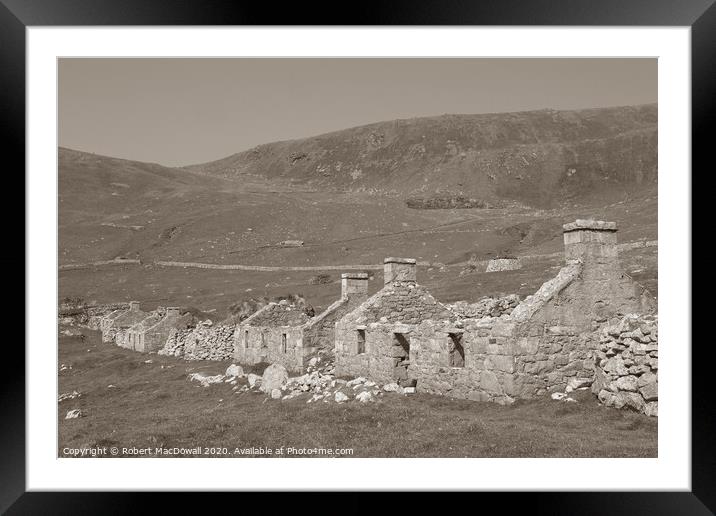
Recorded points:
(593, 242)
(134, 306)
(354, 285)
(399, 269)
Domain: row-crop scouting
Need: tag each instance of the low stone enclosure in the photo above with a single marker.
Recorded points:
(283, 333)
(543, 344)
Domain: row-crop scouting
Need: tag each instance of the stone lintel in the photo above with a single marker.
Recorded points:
(590, 225)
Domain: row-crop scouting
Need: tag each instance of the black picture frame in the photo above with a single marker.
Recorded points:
(17, 15)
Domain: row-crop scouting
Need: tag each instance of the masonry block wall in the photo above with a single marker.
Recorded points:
(282, 345)
(273, 334)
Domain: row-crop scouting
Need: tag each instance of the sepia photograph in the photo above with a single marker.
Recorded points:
(357, 257)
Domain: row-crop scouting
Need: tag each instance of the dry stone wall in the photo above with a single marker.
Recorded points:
(204, 342)
(627, 364)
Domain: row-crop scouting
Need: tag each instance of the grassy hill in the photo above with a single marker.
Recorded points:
(344, 195)
(538, 157)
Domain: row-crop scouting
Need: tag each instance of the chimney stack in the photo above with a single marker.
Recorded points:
(134, 306)
(593, 242)
(399, 269)
(354, 285)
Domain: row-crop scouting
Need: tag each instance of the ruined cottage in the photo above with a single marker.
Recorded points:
(403, 334)
(283, 333)
(150, 334)
(115, 326)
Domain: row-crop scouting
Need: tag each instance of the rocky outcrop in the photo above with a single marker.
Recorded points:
(627, 364)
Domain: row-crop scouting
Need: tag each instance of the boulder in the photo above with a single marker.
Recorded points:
(626, 383)
(578, 383)
(275, 376)
(74, 414)
(234, 370)
(650, 391)
(340, 397)
(652, 409)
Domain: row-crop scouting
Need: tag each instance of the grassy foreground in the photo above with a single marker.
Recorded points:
(153, 405)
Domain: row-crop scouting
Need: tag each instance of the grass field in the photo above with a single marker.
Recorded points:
(154, 405)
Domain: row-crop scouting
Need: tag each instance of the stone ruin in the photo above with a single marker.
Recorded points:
(589, 325)
(137, 330)
(116, 325)
(503, 264)
(541, 345)
(151, 334)
(283, 333)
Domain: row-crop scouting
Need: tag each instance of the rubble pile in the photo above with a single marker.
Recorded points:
(319, 383)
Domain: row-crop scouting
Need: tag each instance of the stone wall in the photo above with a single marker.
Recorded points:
(401, 304)
(256, 344)
(627, 364)
(206, 341)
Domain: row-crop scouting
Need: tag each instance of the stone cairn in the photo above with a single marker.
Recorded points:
(627, 364)
(206, 341)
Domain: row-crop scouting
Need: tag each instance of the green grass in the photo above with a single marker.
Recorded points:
(154, 405)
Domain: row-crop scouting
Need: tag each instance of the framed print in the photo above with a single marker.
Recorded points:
(421, 249)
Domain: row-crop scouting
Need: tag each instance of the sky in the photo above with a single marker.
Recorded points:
(185, 111)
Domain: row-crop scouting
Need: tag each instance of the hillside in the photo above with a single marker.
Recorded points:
(238, 210)
(539, 158)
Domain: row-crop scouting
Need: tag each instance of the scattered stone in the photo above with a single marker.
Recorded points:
(74, 414)
(391, 387)
(204, 380)
(364, 397)
(68, 396)
(340, 397)
(276, 393)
